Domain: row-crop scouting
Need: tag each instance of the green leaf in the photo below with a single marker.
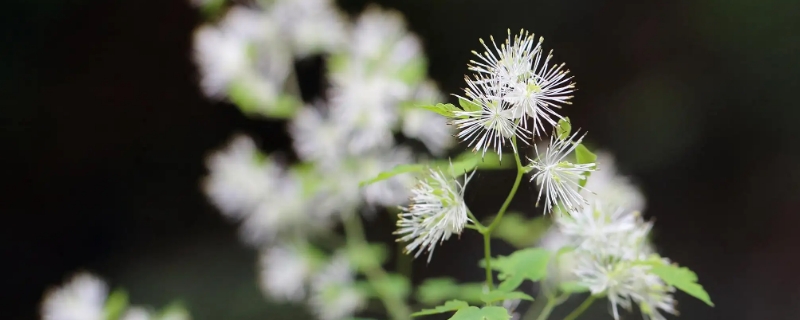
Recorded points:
(520, 232)
(584, 156)
(437, 290)
(681, 278)
(445, 109)
(367, 256)
(468, 105)
(530, 264)
(399, 169)
(116, 304)
(283, 106)
(395, 285)
(485, 313)
(174, 311)
(498, 295)
(564, 128)
(448, 306)
(572, 287)
(414, 72)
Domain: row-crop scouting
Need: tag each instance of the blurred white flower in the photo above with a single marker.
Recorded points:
(220, 59)
(491, 126)
(436, 212)
(428, 127)
(333, 296)
(608, 186)
(601, 228)
(317, 138)
(82, 298)
(392, 191)
(137, 313)
(557, 178)
(381, 35)
(284, 272)
(312, 26)
(238, 181)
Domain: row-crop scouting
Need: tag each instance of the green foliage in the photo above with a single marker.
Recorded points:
(175, 310)
(116, 304)
(564, 128)
(530, 264)
(485, 313)
(465, 162)
(437, 290)
(395, 285)
(572, 287)
(399, 169)
(500, 295)
(415, 71)
(584, 156)
(680, 277)
(367, 256)
(520, 232)
(445, 109)
(283, 107)
(449, 306)
(468, 105)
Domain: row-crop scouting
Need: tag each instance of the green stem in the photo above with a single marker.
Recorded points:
(585, 305)
(487, 231)
(395, 306)
(548, 308)
(487, 253)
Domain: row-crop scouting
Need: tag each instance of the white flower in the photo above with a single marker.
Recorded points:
(534, 90)
(366, 105)
(608, 186)
(220, 58)
(237, 181)
(333, 296)
(437, 211)
(428, 127)
(137, 313)
(317, 138)
(600, 228)
(82, 298)
(493, 124)
(381, 35)
(312, 26)
(392, 191)
(284, 271)
(558, 179)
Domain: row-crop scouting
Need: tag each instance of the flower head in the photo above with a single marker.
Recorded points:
(608, 186)
(557, 178)
(333, 296)
(493, 124)
(82, 298)
(437, 211)
(532, 87)
(284, 272)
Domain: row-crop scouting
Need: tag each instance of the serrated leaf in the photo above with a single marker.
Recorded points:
(564, 128)
(511, 283)
(572, 287)
(468, 105)
(530, 264)
(584, 156)
(520, 232)
(681, 278)
(399, 169)
(445, 109)
(485, 313)
(116, 304)
(448, 306)
(499, 295)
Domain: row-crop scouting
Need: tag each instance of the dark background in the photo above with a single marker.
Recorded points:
(104, 133)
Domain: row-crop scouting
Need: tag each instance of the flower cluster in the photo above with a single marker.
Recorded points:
(85, 297)
(610, 245)
(376, 71)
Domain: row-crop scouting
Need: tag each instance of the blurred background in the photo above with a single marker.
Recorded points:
(104, 131)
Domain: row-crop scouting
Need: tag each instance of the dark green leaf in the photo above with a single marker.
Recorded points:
(530, 263)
